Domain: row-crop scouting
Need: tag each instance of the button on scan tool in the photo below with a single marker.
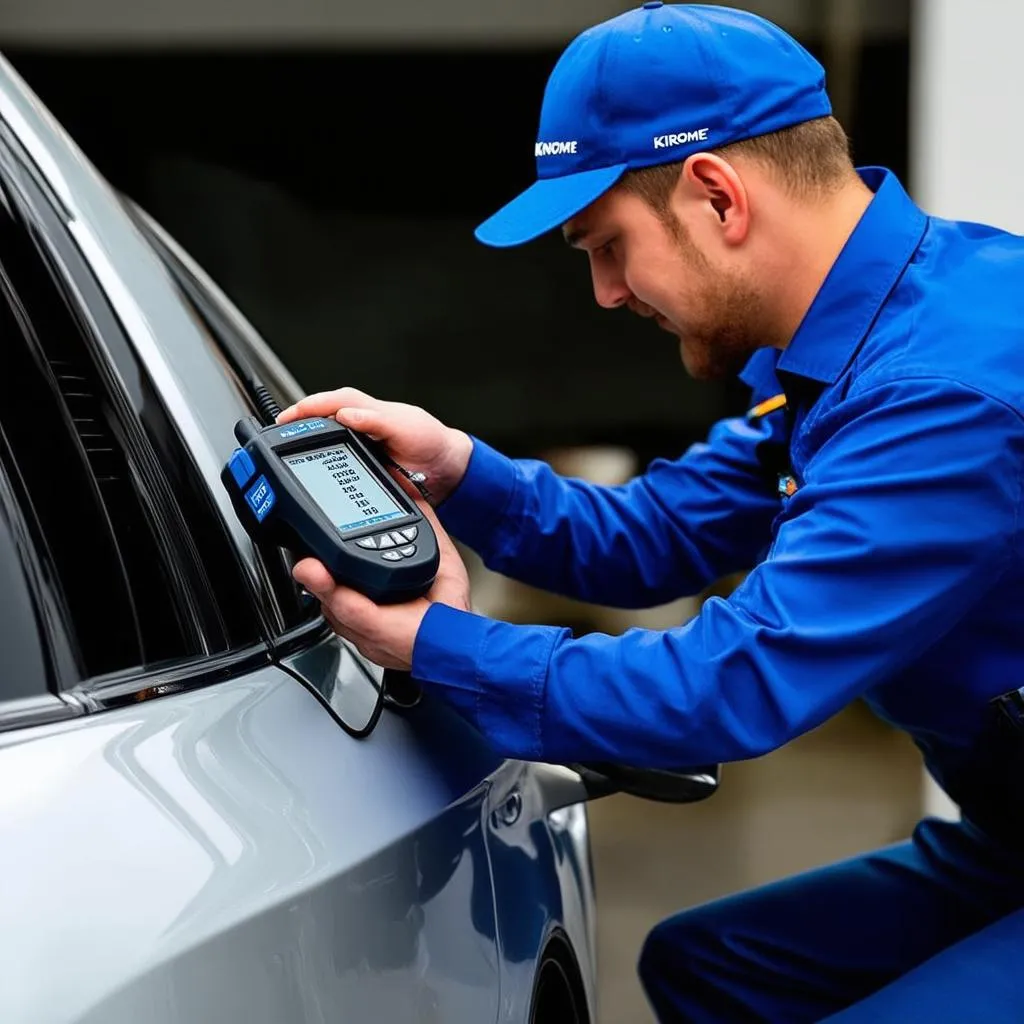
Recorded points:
(321, 490)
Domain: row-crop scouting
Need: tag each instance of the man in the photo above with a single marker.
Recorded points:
(874, 490)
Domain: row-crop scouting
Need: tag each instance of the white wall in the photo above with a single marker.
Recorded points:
(353, 22)
(967, 110)
(967, 132)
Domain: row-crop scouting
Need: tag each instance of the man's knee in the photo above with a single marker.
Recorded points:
(671, 947)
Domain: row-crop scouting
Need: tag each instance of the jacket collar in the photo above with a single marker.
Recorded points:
(856, 288)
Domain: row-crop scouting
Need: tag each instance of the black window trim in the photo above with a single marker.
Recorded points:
(299, 638)
(104, 693)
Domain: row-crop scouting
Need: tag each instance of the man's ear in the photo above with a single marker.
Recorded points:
(714, 185)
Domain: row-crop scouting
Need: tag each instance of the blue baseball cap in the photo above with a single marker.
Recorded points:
(655, 85)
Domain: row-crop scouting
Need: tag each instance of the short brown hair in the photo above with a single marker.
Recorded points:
(810, 160)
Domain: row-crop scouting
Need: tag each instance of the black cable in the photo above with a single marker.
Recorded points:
(269, 409)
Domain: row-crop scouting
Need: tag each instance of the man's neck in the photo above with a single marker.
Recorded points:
(817, 233)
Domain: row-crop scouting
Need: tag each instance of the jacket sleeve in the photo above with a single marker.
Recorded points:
(664, 535)
(908, 512)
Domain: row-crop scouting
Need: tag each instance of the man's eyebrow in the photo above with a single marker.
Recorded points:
(574, 238)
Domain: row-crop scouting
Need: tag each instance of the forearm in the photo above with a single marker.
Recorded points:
(664, 535)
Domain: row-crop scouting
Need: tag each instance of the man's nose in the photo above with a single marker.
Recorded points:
(610, 289)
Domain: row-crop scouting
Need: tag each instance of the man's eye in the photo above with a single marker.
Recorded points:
(604, 250)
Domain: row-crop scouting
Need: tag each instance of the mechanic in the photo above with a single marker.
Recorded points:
(874, 491)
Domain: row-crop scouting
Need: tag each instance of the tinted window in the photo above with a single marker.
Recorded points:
(64, 450)
(172, 544)
(220, 598)
(135, 562)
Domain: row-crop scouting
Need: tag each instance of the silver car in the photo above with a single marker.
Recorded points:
(211, 808)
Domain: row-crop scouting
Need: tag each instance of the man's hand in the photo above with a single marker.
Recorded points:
(413, 437)
(386, 633)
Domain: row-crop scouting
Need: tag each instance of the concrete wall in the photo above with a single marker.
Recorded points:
(361, 22)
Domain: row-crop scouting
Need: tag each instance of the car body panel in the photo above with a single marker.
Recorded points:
(540, 860)
(231, 854)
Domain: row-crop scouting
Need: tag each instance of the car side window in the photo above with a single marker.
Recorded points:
(124, 555)
(74, 484)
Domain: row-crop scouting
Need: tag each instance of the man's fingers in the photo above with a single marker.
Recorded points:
(313, 575)
(323, 404)
(375, 422)
(352, 608)
(343, 604)
(327, 403)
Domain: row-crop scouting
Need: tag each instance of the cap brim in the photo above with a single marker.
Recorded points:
(545, 205)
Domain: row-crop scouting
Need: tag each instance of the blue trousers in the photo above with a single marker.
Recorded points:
(928, 930)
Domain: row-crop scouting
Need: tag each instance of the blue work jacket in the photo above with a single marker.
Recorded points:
(879, 511)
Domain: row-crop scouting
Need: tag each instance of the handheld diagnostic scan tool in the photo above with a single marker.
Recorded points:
(317, 488)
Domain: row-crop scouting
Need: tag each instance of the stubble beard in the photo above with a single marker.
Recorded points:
(730, 325)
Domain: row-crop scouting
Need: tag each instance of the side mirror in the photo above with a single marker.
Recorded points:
(674, 786)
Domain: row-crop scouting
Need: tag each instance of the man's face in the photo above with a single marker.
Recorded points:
(649, 264)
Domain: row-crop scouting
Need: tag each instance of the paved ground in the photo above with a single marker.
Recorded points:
(849, 786)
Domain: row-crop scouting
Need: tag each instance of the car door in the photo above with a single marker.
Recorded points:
(188, 833)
